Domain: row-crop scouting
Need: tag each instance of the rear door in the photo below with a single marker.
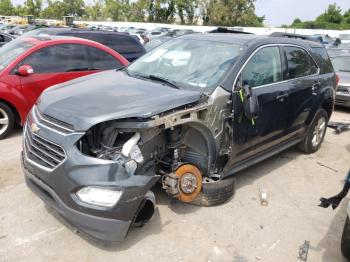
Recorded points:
(304, 81)
(263, 73)
(53, 65)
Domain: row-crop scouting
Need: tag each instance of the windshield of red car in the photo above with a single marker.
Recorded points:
(12, 50)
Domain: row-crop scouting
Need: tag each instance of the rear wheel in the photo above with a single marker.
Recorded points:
(345, 240)
(7, 120)
(315, 134)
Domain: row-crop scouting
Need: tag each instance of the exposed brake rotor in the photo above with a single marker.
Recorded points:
(189, 182)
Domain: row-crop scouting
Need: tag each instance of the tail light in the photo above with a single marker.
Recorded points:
(336, 81)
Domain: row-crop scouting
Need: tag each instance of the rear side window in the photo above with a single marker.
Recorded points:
(101, 60)
(59, 58)
(323, 60)
(299, 62)
(263, 68)
(123, 44)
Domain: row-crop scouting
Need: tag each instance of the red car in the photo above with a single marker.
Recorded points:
(29, 65)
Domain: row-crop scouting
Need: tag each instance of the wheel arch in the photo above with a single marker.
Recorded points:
(18, 119)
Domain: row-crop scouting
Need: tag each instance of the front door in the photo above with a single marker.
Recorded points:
(263, 74)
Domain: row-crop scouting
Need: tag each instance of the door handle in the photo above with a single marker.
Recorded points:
(316, 85)
(281, 97)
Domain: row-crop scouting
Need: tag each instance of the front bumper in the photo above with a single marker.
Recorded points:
(98, 227)
(57, 186)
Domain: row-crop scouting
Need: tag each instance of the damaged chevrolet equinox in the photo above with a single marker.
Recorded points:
(188, 115)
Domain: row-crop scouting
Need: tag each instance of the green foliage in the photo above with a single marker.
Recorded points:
(210, 12)
(6, 7)
(230, 13)
(332, 18)
(33, 7)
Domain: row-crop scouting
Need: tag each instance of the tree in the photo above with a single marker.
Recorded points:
(114, 10)
(19, 10)
(54, 10)
(161, 11)
(33, 7)
(230, 13)
(186, 10)
(6, 7)
(74, 7)
(96, 11)
(331, 15)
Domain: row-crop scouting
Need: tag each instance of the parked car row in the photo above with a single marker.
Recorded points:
(29, 65)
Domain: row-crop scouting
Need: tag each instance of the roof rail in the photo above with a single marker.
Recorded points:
(228, 30)
(297, 36)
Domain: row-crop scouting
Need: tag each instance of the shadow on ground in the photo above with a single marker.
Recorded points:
(330, 243)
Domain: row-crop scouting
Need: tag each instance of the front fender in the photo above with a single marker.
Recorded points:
(15, 98)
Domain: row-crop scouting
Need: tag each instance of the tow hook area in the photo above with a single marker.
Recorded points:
(185, 183)
(146, 210)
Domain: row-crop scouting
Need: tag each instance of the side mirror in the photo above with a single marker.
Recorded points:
(250, 104)
(25, 70)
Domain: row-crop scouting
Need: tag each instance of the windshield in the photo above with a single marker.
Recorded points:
(341, 63)
(12, 50)
(189, 63)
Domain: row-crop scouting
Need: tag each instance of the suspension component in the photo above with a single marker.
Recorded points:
(185, 183)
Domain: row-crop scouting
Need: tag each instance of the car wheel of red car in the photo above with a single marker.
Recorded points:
(7, 120)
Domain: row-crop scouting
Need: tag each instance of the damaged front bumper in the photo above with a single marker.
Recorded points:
(98, 227)
(57, 185)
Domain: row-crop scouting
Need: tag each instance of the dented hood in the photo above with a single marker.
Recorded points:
(110, 95)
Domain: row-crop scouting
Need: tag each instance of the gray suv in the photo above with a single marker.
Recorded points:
(189, 115)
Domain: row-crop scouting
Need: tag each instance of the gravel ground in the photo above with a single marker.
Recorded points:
(240, 230)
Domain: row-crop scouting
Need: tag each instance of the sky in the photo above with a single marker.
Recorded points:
(278, 12)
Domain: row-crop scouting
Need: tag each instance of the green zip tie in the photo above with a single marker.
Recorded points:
(241, 95)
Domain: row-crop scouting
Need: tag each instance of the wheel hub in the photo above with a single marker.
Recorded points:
(318, 132)
(4, 121)
(188, 183)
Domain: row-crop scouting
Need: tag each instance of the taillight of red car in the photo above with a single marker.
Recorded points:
(336, 81)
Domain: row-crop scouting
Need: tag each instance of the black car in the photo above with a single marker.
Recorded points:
(5, 38)
(188, 114)
(126, 45)
(21, 29)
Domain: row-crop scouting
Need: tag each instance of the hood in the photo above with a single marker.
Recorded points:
(344, 78)
(110, 95)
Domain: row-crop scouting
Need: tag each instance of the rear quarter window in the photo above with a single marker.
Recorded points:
(321, 56)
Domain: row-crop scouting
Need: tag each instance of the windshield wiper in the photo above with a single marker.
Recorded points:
(164, 80)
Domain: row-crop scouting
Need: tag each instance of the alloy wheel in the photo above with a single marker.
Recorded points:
(4, 121)
(318, 133)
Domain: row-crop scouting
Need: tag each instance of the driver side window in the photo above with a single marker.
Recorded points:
(263, 68)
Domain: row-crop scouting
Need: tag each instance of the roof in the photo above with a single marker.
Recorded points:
(44, 39)
(249, 39)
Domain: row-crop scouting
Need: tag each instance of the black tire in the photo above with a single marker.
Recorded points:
(307, 145)
(5, 111)
(345, 239)
(216, 192)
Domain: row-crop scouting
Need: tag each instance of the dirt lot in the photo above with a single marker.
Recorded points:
(241, 230)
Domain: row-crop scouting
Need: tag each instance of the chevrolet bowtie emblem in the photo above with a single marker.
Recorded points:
(34, 128)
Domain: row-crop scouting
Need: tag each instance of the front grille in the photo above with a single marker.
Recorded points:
(42, 151)
(52, 123)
